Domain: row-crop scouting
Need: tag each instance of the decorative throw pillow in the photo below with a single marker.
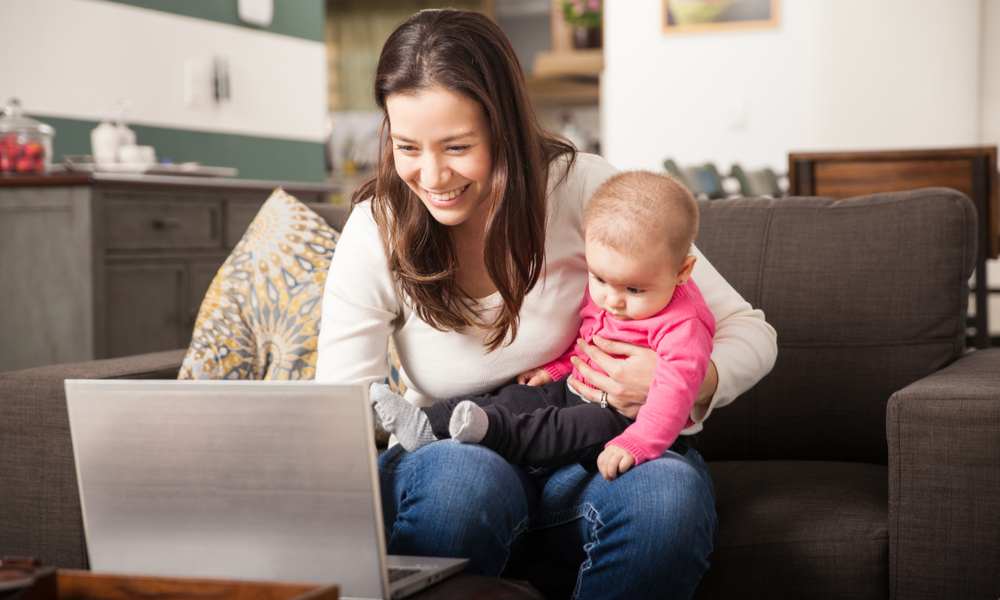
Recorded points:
(261, 316)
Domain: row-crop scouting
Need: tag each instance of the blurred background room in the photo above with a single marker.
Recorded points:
(721, 92)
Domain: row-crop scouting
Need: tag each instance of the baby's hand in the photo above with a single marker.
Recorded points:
(536, 376)
(613, 461)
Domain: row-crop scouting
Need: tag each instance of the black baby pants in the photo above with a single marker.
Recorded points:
(543, 426)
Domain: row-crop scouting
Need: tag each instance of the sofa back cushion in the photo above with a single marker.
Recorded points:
(335, 215)
(866, 294)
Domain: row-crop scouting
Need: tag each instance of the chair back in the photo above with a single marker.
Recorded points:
(762, 182)
(867, 295)
(703, 181)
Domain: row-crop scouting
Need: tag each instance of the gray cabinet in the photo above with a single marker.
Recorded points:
(102, 266)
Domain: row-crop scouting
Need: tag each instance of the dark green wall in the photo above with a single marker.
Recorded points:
(255, 157)
(296, 18)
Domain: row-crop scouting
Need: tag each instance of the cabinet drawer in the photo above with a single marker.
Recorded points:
(145, 308)
(154, 224)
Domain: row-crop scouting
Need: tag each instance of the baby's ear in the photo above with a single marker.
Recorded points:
(684, 271)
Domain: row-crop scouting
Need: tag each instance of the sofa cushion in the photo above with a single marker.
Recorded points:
(867, 295)
(260, 318)
(335, 215)
(799, 529)
(39, 501)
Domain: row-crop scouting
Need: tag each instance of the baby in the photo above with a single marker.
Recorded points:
(638, 231)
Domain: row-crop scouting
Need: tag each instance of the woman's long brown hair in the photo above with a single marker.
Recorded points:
(467, 53)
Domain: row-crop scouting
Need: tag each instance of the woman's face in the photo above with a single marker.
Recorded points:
(443, 151)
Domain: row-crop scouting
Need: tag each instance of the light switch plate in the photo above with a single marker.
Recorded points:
(256, 12)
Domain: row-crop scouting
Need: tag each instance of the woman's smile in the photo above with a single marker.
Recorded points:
(447, 198)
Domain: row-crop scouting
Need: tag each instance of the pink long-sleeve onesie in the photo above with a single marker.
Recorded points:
(681, 334)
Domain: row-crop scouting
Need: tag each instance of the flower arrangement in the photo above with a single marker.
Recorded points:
(582, 13)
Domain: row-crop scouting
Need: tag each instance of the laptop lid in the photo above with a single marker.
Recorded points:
(240, 479)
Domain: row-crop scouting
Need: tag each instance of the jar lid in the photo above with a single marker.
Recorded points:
(13, 121)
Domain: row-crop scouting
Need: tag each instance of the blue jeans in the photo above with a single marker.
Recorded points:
(647, 534)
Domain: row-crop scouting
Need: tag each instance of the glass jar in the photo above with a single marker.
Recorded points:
(25, 144)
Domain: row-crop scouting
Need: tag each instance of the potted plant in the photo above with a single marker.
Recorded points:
(584, 16)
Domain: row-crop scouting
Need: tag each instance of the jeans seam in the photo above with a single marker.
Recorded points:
(518, 530)
(563, 516)
(594, 518)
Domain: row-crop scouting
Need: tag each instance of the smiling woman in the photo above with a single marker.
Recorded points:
(457, 114)
(467, 249)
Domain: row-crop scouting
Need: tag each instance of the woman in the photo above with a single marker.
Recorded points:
(467, 248)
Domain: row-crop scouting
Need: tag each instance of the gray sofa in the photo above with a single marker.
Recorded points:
(866, 465)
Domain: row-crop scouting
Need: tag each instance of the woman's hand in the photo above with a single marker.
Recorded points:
(708, 386)
(628, 379)
(536, 376)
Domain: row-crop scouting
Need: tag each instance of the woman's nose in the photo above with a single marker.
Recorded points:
(433, 172)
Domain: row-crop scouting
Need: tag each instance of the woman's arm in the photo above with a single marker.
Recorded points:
(745, 347)
(359, 307)
(745, 344)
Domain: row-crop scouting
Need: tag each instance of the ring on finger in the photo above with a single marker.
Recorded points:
(604, 399)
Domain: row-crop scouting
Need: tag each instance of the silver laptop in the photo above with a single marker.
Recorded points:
(257, 480)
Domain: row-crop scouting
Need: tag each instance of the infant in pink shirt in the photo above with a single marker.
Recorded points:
(638, 231)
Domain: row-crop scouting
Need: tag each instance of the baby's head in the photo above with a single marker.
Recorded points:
(638, 228)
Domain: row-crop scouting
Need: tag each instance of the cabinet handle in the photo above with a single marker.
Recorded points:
(166, 223)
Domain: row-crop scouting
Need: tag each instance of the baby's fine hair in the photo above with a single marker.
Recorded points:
(640, 211)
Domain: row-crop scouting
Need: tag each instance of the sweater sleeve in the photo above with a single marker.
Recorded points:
(745, 344)
(561, 367)
(360, 306)
(683, 352)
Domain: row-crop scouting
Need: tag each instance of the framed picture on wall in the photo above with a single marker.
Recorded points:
(693, 16)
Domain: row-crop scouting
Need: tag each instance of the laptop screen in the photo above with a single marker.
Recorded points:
(245, 480)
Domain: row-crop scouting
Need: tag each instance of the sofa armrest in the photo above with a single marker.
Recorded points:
(944, 482)
(39, 502)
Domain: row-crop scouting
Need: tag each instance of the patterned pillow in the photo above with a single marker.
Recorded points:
(261, 316)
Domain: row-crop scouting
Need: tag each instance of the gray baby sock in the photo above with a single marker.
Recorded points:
(407, 422)
(468, 423)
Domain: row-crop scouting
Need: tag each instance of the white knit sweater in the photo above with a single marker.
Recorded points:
(361, 309)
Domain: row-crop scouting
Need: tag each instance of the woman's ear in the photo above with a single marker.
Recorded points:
(684, 271)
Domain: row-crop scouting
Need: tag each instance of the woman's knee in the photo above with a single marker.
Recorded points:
(667, 500)
(461, 473)
(453, 499)
(456, 486)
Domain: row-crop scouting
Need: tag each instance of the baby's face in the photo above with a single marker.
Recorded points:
(629, 287)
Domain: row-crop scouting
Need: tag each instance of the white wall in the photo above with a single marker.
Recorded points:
(836, 74)
(76, 58)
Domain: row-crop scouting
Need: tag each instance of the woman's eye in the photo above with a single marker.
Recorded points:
(457, 148)
(405, 148)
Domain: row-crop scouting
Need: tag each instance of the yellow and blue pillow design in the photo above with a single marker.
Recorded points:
(261, 316)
